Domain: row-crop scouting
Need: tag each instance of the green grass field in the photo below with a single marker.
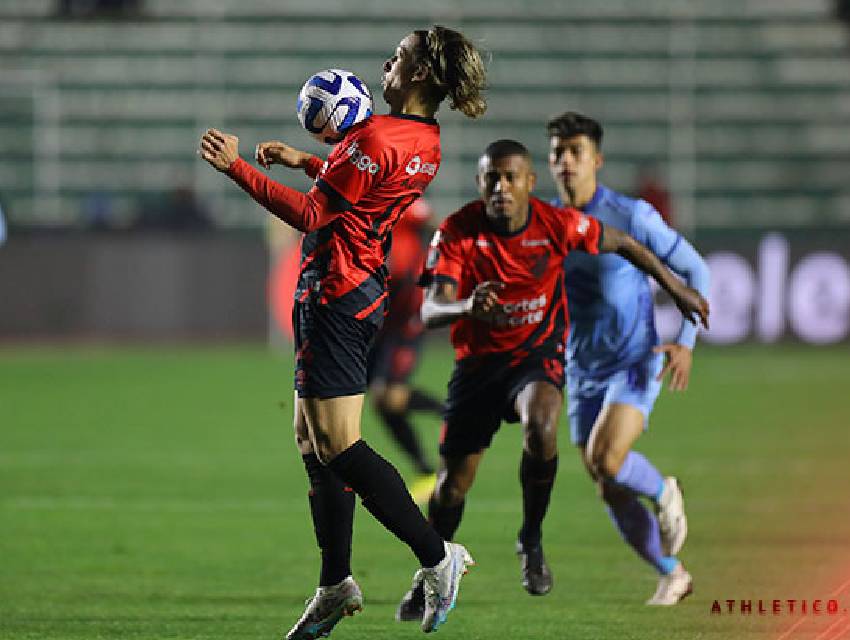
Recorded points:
(156, 493)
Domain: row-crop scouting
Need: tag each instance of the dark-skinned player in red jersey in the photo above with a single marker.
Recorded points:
(495, 273)
(395, 354)
(370, 178)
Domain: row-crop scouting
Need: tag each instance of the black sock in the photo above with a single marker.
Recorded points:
(383, 493)
(423, 401)
(406, 438)
(536, 477)
(445, 520)
(332, 507)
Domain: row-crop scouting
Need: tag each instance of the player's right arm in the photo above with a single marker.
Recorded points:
(336, 191)
(445, 268)
(441, 306)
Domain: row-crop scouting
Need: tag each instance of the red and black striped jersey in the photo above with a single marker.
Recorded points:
(374, 174)
(467, 250)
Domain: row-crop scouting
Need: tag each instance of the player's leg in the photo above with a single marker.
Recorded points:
(331, 506)
(384, 494)
(331, 354)
(392, 402)
(393, 361)
(616, 429)
(623, 475)
(538, 406)
(445, 510)
(334, 425)
(454, 479)
(629, 399)
(423, 401)
(332, 511)
(639, 528)
(473, 416)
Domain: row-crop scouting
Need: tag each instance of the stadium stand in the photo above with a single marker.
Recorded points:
(744, 104)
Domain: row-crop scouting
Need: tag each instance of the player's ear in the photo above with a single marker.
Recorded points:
(600, 160)
(532, 180)
(420, 73)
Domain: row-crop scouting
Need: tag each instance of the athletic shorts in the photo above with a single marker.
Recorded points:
(331, 349)
(394, 356)
(483, 392)
(635, 385)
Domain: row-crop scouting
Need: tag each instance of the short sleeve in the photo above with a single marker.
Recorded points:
(354, 167)
(581, 231)
(648, 228)
(445, 257)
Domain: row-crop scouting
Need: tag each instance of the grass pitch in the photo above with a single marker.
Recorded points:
(156, 493)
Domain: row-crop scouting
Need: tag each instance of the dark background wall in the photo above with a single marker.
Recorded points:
(148, 286)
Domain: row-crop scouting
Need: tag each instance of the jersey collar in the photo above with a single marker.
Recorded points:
(408, 116)
(594, 201)
(511, 234)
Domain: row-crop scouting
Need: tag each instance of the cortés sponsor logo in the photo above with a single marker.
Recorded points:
(360, 159)
(417, 166)
(529, 311)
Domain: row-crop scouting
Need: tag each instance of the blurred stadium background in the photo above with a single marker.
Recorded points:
(735, 112)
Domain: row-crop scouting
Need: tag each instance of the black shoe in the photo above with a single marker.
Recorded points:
(412, 605)
(536, 576)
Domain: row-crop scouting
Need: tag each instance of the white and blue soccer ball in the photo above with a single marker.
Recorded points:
(331, 102)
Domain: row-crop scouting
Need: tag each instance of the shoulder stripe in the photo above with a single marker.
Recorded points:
(337, 202)
(672, 249)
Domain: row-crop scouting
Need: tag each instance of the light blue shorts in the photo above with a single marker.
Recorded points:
(635, 385)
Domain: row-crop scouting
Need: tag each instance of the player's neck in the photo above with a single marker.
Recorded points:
(413, 106)
(510, 225)
(579, 196)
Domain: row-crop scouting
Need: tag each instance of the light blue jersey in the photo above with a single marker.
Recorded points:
(612, 322)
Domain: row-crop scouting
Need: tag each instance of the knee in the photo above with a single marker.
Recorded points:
(393, 400)
(327, 449)
(541, 435)
(302, 438)
(605, 462)
(303, 443)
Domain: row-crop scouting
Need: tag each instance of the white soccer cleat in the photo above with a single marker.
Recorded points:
(671, 517)
(441, 585)
(672, 588)
(326, 608)
(412, 605)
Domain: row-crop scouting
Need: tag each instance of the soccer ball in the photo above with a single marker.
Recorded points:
(331, 102)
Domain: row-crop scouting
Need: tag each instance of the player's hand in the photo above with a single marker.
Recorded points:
(692, 305)
(221, 150)
(484, 302)
(677, 362)
(276, 152)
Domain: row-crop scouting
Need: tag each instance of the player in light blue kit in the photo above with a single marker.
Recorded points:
(615, 363)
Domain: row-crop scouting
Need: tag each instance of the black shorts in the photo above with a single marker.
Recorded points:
(394, 356)
(331, 349)
(483, 392)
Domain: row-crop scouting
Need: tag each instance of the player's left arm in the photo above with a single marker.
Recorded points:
(304, 212)
(684, 260)
(649, 228)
